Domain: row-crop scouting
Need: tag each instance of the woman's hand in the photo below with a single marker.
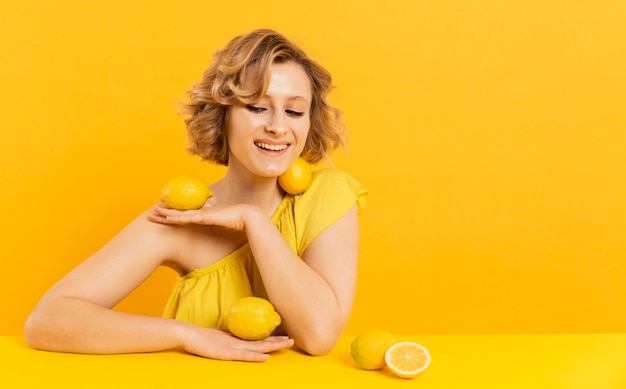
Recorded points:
(232, 217)
(217, 344)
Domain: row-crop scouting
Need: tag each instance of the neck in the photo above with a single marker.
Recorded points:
(263, 192)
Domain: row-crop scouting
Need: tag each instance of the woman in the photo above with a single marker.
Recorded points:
(259, 106)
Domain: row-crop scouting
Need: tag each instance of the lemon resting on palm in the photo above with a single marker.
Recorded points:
(252, 318)
(297, 178)
(185, 192)
(368, 349)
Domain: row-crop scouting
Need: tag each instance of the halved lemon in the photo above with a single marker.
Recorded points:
(407, 359)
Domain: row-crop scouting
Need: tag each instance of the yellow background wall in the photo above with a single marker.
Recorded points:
(491, 136)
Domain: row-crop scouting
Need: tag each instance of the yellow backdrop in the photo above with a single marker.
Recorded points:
(490, 134)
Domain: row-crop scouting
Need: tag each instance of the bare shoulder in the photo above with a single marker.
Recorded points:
(181, 247)
(161, 244)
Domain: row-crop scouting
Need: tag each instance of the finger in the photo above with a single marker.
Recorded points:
(250, 356)
(156, 218)
(232, 354)
(184, 219)
(159, 215)
(277, 338)
(258, 351)
(169, 219)
(174, 216)
(273, 344)
(165, 211)
(178, 220)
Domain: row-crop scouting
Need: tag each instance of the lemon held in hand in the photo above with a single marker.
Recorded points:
(369, 348)
(252, 318)
(297, 178)
(185, 192)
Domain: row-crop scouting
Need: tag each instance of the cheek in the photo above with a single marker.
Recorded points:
(304, 129)
(303, 136)
(240, 125)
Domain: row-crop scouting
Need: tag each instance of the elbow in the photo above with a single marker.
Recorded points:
(318, 342)
(317, 350)
(39, 331)
(34, 332)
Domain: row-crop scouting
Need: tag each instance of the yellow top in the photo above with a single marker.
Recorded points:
(204, 295)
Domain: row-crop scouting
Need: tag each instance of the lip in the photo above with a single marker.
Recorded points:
(271, 147)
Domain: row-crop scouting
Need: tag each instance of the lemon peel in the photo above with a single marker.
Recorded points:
(252, 318)
(368, 349)
(185, 193)
(297, 178)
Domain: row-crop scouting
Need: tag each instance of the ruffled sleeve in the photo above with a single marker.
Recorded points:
(332, 193)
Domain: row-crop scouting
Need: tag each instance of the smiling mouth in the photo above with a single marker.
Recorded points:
(267, 146)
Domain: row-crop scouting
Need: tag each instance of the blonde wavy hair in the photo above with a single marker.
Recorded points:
(249, 58)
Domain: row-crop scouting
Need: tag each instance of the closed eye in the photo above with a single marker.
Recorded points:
(294, 113)
(255, 109)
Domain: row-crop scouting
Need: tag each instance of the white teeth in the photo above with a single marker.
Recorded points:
(268, 146)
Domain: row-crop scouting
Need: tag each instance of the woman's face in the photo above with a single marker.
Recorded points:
(265, 138)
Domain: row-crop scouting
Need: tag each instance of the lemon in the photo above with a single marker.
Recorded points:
(407, 359)
(297, 178)
(369, 348)
(185, 192)
(252, 318)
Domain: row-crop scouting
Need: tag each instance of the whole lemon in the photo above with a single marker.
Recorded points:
(252, 318)
(368, 349)
(185, 193)
(297, 178)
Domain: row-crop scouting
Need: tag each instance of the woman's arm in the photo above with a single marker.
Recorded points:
(75, 315)
(314, 294)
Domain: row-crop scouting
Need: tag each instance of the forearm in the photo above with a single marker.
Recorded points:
(73, 325)
(311, 312)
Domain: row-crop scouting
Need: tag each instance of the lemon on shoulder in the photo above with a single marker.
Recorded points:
(185, 193)
(252, 318)
(297, 178)
(368, 349)
(407, 359)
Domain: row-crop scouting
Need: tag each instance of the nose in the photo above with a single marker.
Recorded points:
(276, 124)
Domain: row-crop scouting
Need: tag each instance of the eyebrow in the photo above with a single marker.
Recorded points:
(290, 98)
(298, 98)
